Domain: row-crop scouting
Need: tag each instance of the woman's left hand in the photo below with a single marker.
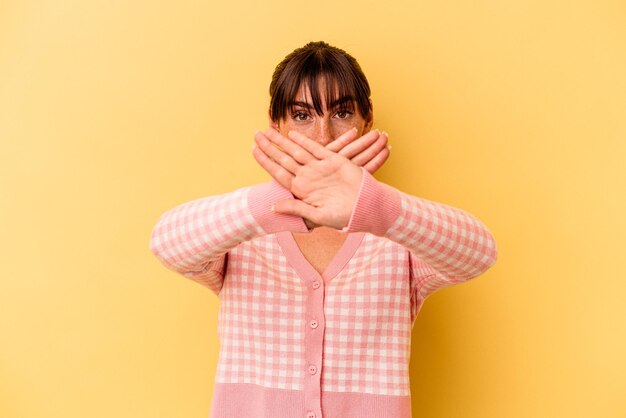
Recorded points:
(325, 184)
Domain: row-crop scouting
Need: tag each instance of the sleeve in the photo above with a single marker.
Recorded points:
(447, 245)
(193, 239)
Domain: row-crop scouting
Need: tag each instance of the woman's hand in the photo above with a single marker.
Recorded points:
(325, 183)
(369, 151)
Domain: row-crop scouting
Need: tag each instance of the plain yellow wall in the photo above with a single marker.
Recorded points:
(112, 112)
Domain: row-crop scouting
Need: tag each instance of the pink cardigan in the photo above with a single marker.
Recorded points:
(294, 344)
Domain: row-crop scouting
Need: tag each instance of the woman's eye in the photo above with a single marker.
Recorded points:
(300, 116)
(342, 114)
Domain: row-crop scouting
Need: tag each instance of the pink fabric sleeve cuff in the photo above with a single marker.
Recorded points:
(377, 207)
(262, 197)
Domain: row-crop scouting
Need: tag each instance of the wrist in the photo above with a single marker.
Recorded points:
(261, 199)
(376, 209)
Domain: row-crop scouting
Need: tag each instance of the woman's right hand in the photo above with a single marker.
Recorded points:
(370, 151)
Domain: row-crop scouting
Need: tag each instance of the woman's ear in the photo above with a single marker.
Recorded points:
(273, 125)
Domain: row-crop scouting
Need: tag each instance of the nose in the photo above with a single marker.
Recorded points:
(324, 133)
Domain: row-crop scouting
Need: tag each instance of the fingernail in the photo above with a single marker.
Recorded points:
(389, 147)
(386, 134)
(272, 208)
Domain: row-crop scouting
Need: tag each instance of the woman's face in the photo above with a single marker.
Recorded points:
(337, 118)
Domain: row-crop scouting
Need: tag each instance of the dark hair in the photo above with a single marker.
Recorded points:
(306, 66)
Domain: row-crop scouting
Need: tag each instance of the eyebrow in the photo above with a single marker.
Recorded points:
(333, 104)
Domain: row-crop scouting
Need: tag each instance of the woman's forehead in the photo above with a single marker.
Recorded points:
(324, 94)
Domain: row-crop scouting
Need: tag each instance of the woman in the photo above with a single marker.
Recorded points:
(322, 271)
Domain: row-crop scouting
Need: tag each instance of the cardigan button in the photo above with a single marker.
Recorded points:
(312, 369)
(316, 284)
(313, 324)
(310, 414)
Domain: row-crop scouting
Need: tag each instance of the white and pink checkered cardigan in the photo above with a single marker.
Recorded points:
(297, 344)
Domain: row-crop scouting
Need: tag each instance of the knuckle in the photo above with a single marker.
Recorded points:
(299, 155)
(358, 160)
(283, 160)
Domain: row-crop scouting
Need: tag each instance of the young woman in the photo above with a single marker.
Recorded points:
(322, 271)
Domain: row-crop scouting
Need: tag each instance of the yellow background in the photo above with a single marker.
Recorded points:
(112, 112)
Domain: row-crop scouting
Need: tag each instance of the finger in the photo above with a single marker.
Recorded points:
(279, 157)
(296, 207)
(295, 151)
(281, 175)
(315, 149)
(310, 225)
(371, 151)
(375, 163)
(361, 144)
(343, 140)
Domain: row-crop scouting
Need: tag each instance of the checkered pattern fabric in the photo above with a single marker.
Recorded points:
(404, 249)
(261, 318)
(368, 324)
(193, 239)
